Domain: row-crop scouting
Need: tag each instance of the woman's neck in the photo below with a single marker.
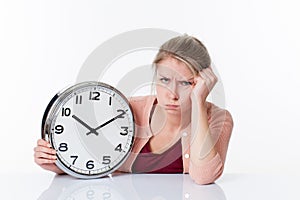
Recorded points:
(162, 120)
(178, 122)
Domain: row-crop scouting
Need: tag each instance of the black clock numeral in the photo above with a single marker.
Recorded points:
(90, 164)
(125, 128)
(122, 113)
(119, 147)
(63, 147)
(59, 129)
(78, 99)
(106, 160)
(94, 96)
(66, 112)
(75, 158)
(109, 103)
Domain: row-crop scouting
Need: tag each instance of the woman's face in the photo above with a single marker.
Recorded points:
(174, 84)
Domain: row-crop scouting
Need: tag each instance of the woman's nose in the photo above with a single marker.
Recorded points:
(173, 93)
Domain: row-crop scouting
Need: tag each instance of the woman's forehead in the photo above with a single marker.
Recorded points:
(173, 67)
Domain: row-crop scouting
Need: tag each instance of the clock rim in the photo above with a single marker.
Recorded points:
(48, 117)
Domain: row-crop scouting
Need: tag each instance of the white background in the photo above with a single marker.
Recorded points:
(253, 43)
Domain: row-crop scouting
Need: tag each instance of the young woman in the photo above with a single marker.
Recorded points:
(178, 130)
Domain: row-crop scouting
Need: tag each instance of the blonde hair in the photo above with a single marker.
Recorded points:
(187, 49)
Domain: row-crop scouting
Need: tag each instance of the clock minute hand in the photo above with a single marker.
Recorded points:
(109, 121)
(85, 125)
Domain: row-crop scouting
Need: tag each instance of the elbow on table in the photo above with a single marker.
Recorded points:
(206, 179)
(204, 176)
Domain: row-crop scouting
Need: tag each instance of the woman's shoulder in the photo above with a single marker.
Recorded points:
(141, 99)
(138, 101)
(141, 107)
(214, 109)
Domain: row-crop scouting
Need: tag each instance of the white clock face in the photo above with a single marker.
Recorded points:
(92, 130)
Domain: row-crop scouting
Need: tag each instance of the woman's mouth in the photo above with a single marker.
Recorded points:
(172, 106)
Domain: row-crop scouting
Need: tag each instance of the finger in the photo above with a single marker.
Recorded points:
(210, 77)
(42, 142)
(209, 72)
(205, 77)
(205, 73)
(42, 155)
(198, 77)
(44, 149)
(40, 161)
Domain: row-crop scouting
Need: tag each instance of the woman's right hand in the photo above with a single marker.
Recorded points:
(45, 156)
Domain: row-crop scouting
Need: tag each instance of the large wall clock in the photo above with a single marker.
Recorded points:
(91, 126)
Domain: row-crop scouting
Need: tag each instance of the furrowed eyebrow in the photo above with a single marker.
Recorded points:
(162, 75)
(190, 79)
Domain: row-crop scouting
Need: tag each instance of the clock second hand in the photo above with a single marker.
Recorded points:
(85, 125)
(109, 121)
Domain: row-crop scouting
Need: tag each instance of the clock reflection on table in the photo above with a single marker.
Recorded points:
(131, 186)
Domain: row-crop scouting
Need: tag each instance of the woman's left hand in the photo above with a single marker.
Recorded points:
(203, 84)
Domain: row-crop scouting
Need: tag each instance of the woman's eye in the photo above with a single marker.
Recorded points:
(186, 83)
(164, 80)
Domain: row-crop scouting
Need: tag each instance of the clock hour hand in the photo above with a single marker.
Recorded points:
(85, 125)
(109, 121)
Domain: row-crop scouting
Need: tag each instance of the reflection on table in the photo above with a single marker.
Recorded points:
(133, 187)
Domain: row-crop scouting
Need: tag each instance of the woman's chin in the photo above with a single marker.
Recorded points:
(173, 111)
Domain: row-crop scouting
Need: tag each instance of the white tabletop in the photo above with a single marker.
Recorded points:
(45, 186)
